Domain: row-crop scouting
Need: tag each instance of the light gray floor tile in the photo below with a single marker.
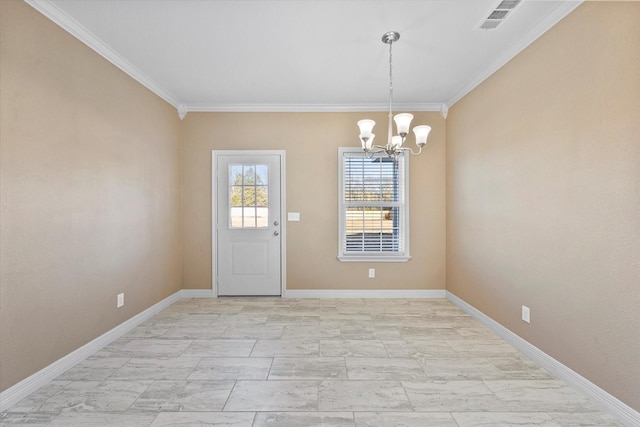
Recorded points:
(504, 419)
(94, 369)
(201, 419)
(419, 349)
(233, 368)
(384, 332)
(35, 400)
(273, 396)
(164, 396)
(450, 396)
(363, 396)
(242, 319)
(384, 368)
(317, 332)
(104, 419)
(194, 332)
(436, 333)
(95, 396)
(279, 347)
(399, 319)
(341, 317)
(253, 332)
(585, 419)
(361, 330)
(482, 348)
(515, 368)
(404, 419)
(293, 318)
(477, 333)
(219, 348)
(152, 348)
(306, 419)
(352, 348)
(475, 368)
(173, 368)
(310, 368)
(146, 331)
(31, 419)
(540, 395)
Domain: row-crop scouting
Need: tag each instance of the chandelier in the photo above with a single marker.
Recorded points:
(395, 144)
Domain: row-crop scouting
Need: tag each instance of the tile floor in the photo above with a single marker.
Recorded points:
(308, 362)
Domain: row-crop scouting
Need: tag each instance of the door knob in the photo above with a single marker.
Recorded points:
(276, 233)
(276, 223)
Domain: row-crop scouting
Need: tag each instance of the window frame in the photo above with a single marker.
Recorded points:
(403, 254)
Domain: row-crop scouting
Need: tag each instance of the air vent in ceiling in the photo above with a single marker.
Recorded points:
(498, 14)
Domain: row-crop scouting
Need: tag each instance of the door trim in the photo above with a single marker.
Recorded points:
(214, 210)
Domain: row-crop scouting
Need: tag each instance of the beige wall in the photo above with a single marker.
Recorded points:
(89, 187)
(543, 190)
(311, 141)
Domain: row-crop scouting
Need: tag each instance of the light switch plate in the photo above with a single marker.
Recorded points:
(293, 216)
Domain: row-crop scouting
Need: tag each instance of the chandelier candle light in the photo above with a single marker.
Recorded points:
(403, 120)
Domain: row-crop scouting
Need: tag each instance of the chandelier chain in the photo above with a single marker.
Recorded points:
(390, 131)
(390, 77)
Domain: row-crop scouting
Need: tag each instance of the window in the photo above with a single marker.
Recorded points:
(374, 212)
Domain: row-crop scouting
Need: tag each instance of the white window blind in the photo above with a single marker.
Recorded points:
(373, 209)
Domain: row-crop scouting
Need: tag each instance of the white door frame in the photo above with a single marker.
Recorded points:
(214, 211)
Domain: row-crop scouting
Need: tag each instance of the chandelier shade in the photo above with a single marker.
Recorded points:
(422, 133)
(403, 121)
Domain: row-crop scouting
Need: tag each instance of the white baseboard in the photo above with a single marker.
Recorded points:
(339, 293)
(197, 293)
(620, 410)
(30, 384)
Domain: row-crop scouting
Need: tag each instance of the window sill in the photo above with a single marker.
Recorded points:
(373, 258)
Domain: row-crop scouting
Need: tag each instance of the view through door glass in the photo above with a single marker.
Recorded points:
(248, 196)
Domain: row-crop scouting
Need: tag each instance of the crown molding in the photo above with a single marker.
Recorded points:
(307, 108)
(66, 22)
(183, 109)
(565, 8)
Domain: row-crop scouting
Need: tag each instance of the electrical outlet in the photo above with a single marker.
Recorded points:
(526, 314)
(372, 273)
(120, 300)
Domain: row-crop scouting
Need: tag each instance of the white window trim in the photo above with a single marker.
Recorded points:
(403, 256)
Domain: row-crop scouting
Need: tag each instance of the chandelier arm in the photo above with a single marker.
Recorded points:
(410, 150)
(377, 148)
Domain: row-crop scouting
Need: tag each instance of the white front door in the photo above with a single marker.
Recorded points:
(247, 194)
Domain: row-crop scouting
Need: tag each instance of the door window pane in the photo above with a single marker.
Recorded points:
(248, 196)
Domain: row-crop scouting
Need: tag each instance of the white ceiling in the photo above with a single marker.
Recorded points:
(304, 55)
